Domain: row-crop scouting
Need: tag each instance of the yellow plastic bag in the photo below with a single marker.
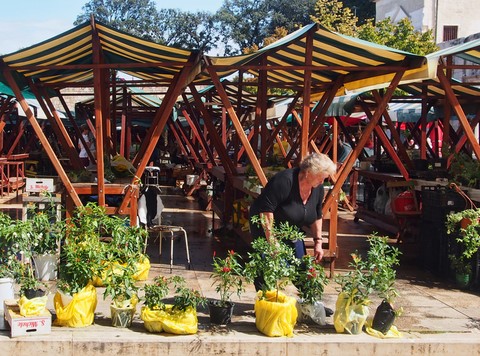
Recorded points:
(171, 321)
(31, 307)
(152, 319)
(99, 281)
(121, 164)
(349, 317)
(143, 268)
(180, 322)
(393, 333)
(141, 274)
(275, 318)
(80, 311)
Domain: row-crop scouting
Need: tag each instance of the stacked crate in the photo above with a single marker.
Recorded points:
(436, 244)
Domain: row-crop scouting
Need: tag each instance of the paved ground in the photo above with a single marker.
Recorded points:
(438, 318)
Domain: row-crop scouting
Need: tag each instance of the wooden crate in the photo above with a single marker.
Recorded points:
(22, 325)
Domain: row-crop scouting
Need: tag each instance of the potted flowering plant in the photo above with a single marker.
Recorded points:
(310, 281)
(81, 259)
(179, 317)
(375, 273)
(274, 261)
(227, 275)
(120, 286)
(465, 226)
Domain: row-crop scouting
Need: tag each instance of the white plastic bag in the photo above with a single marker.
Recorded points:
(314, 312)
(380, 200)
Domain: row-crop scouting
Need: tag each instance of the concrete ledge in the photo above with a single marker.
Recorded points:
(241, 338)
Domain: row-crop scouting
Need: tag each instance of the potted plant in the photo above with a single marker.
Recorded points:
(80, 260)
(24, 236)
(373, 274)
(310, 281)
(33, 293)
(465, 226)
(30, 286)
(122, 244)
(228, 280)
(464, 170)
(10, 265)
(128, 246)
(47, 233)
(179, 317)
(276, 263)
(120, 286)
(382, 259)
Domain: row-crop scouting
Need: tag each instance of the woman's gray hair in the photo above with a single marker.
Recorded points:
(318, 163)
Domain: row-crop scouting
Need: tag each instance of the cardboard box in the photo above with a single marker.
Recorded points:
(37, 185)
(22, 325)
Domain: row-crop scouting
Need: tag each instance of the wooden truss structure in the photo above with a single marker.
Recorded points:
(311, 67)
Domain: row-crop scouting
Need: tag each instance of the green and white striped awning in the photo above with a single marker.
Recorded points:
(434, 89)
(71, 57)
(361, 64)
(469, 51)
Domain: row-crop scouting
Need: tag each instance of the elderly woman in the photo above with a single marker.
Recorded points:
(295, 196)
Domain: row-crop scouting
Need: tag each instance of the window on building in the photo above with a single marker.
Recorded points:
(450, 33)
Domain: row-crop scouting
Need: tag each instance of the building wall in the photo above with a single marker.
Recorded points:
(433, 14)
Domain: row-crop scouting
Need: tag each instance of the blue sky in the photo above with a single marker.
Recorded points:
(38, 20)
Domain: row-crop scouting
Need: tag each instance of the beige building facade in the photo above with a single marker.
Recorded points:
(448, 19)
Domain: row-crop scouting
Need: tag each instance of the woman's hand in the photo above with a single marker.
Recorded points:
(318, 250)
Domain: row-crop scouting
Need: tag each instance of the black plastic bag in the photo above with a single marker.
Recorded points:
(384, 317)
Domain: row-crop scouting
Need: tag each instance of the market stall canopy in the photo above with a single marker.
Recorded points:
(5, 90)
(70, 57)
(433, 89)
(468, 51)
(362, 64)
(33, 103)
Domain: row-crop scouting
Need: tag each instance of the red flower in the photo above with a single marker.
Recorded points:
(226, 269)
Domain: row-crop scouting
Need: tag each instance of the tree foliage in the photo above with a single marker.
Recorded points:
(335, 17)
(137, 17)
(278, 33)
(243, 24)
(401, 35)
(193, 30)
(289, 14)
(247, 25)
(362, 9)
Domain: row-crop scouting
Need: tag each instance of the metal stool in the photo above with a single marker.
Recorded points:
(171, 229)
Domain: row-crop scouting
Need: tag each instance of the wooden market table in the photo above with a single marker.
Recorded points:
(383, 221)
(110, 189)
